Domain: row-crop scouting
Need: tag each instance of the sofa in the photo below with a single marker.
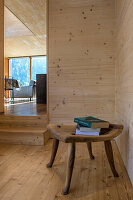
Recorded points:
(24, 91)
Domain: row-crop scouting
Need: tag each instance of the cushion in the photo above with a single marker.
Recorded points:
(32, 83)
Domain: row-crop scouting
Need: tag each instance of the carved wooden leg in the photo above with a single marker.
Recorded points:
(54, 151)
(70, 164)
(109, 153)
(90, 150)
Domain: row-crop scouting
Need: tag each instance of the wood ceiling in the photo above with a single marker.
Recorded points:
(25, 27)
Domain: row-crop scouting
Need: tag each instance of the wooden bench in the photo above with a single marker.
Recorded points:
(66, 133)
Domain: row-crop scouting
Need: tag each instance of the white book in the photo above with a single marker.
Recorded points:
(78, 132)
(86, 129)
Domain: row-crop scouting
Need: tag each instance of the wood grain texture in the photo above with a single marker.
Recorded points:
(13, 26)
(23, 174)
(25, 28)
(89, 146)
(30, 46)
(70, 165)
(23, 121)
(25, 136)
(6, 67)
(30, 13)
(28, 130)
(2, 56)
(53, 154)
(124, 79)
(25, 108)
(66, 133)
(81, 59)
(109, 153)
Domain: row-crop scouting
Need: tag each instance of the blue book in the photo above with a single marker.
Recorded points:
(91, 122)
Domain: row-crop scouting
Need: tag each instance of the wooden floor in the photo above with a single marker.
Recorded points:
(23, 175)
(25, 109)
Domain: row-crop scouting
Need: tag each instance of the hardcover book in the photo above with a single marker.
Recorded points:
(87, 129)
(78, 132)
(91, 122)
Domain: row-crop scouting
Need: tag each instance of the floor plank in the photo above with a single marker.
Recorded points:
(26, 109)
(24, 176)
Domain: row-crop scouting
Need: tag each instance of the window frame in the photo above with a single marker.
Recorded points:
(30, 57)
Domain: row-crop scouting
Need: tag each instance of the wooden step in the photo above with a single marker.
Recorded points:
(28, 130)
(26, 136)
(23, 121)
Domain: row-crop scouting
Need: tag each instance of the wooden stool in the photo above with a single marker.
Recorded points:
(66, 133)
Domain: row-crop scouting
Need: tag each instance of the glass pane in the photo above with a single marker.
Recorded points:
(21, 70)
(39, 66)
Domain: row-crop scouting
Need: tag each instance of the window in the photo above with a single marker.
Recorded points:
(39, 66)
(19, 69)
(23, 70)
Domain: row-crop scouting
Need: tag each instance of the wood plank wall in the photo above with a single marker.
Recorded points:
(6, 67)
(1, 55)
(81, 59)
(124, 79)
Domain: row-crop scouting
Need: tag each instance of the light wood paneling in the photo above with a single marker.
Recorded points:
(2, 56)
(24, 176)
(24, 46)
(25, 28)
(124, 79)
(13, 26)
(30, 13)
(6, 67)
(19, 40)
(81, 59)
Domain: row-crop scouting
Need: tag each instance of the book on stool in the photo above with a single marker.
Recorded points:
(90, 125)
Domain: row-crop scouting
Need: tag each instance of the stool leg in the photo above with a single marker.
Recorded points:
(109, 153)
(89, 146)
(70, 164)
(54, 151)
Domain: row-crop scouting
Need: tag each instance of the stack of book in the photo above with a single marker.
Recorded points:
(90, 125)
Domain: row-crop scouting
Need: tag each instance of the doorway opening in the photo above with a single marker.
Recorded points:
(25, 66)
